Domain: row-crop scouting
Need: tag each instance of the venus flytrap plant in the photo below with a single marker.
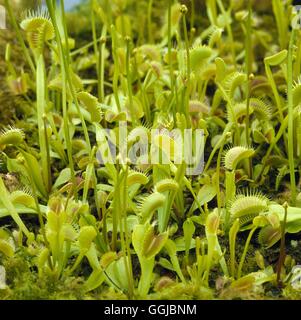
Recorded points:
(19, 36)
(211, 227)
(199, 56)
(15, 137)
(227, 86)
(10, 207)
(64, 62)
(150, 204)
(147, 245)
(247, 206)
(39, 29)
(64, 80)
(6, 247)
(33, 170)
(53, 227)
(226, 131)
(180, 79)
(120, 203)
(231, 159)
(35, 179)
(236, 154)
(164, 216)
(187, 184)
(136, 177)
(188, 229)
(11, 136)
(91, 104)
(215, 37)
(201, 262)
(278, 136)
(85, 238)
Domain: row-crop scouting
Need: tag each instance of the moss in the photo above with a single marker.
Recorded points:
(24, 282)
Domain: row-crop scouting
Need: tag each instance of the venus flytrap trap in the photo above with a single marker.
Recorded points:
(16, 137)
(19, 36)
(212, 224)
(86, 235)
(211, 228)
(6, 247)
(231, 159)
(147, 245)
(39, 29)
(10, 208)
(11, 136)
(248, 206)
(150, 204)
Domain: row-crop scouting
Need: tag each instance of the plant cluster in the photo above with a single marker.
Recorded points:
(74, 227)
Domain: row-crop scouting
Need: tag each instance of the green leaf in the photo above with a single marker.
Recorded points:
(293, 223)
(64, 177)
(276, 59)
(95, 280)
(34, 168)
(189, 229)
(91, 104)
(86, 235)
(6, 248)
(205, 195)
